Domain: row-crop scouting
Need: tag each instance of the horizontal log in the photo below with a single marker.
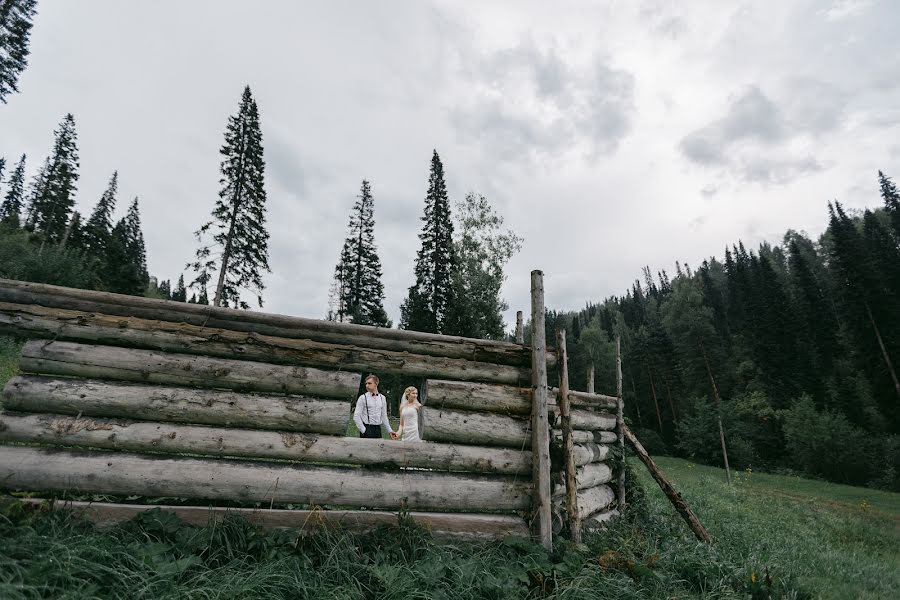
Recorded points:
(600, 519)
(147, 366)
(585, 420)
(131, 332)
(590, 501)
(489, 351)
(590, 453)
(182, 405)
(118, 473)
(582, 436)
(483, 397)
(588, 399)
(450, 526)
(588, 476)
(137, 436)
(466, 427)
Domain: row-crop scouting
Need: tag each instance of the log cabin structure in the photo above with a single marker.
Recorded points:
(134, 397)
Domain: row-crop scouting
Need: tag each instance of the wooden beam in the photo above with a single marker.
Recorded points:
(540, 425)
(520, 328)
(586, 476)
(582, 436)
(620, 426)
(584, 419)
(124, 474)
(443, 526)
(470, 427)
(572, 515)
(482, 397)
(140, 436)
(148, 366)
(131, 332)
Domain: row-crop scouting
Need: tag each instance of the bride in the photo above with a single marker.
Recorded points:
(409, 416)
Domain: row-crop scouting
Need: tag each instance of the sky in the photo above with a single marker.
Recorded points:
(610, 135)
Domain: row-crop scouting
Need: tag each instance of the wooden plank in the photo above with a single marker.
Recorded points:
(443, 526)
(582, 436)
(587, 476)
(95, 328)
(540, 425)
(138, 436)
(147, 366)
(469, 427)
(182, 405)
(585, 420)
(489, 351)
(572, 514)
(118, 473)
(482, 397)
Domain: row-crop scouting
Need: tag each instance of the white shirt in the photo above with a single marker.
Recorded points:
(371, 410)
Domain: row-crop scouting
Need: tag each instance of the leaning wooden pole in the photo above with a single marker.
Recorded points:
(620, 424)
(680, 505)
(540, 426)
(520, 328)
(884, 354)
(562, 363)
(715, 390)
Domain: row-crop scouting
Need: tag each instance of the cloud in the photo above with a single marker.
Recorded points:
(527, 103)
(845, 9)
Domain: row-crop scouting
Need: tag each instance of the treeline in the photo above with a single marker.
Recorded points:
(43, 239)
(802, 340)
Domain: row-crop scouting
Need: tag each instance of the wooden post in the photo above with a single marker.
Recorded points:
(712, 381)
(590, 379)
(520, 328)
(540, 427)
(680, 505)
(562, 363)
(620, 424)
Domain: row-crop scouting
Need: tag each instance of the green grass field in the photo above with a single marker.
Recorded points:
(775, 537)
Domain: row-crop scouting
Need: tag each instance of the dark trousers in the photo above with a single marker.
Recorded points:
(372, 431)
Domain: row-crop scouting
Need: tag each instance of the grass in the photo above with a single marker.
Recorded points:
(776, 537)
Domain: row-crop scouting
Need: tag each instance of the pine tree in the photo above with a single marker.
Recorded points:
(180, 293)
(126, 256)
(11, 209)
(15, 29)
(165, 289)
(239, 217)
(53, 191)
(430, 299)
(891, 196)
(98, 228)
(2, 168)
(359, 291)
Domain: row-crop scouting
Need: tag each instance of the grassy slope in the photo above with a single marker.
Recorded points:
(818, 540)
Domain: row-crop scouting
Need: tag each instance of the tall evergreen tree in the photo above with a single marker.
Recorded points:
(431, 297)
(891, 196)
(180, 293)
(53, 191)
(358, 272)
(127, 257)
(11, 209)
(15, 30)
(239, 217)
(98, 228)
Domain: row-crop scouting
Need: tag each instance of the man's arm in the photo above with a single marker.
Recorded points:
(357, 414)
(385, 423)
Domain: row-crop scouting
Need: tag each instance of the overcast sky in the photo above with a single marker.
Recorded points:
(610, 135)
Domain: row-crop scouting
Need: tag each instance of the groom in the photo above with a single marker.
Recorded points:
(371, 414)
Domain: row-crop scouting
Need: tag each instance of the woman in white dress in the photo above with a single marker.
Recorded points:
(409, 416)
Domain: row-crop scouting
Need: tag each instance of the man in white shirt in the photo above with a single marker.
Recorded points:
(371, 413)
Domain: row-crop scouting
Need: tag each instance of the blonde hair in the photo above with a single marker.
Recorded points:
(406, 397)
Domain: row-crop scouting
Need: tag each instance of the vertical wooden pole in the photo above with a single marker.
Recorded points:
(562, 364)
(590, 381)
(715, 389)
(620, 424)
(520, 328)
(540, 426)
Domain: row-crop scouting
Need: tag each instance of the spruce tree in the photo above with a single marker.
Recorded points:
(891, 196)
(11, 209)
(165, 289)
(430, 299)
(239, 217)
(180, 293)
(126, 256)
(359, 291)
(15, 29)
(98, 228)
(53, 192)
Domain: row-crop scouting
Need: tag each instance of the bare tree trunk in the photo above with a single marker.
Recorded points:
(572, 515)
(620, 424)
(884, 354)
(540, 427)
(712, 382)
(637, 405)
(229, 240)
(655, 401)
(669, 396)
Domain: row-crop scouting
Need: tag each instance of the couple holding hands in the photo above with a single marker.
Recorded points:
(371, 413)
